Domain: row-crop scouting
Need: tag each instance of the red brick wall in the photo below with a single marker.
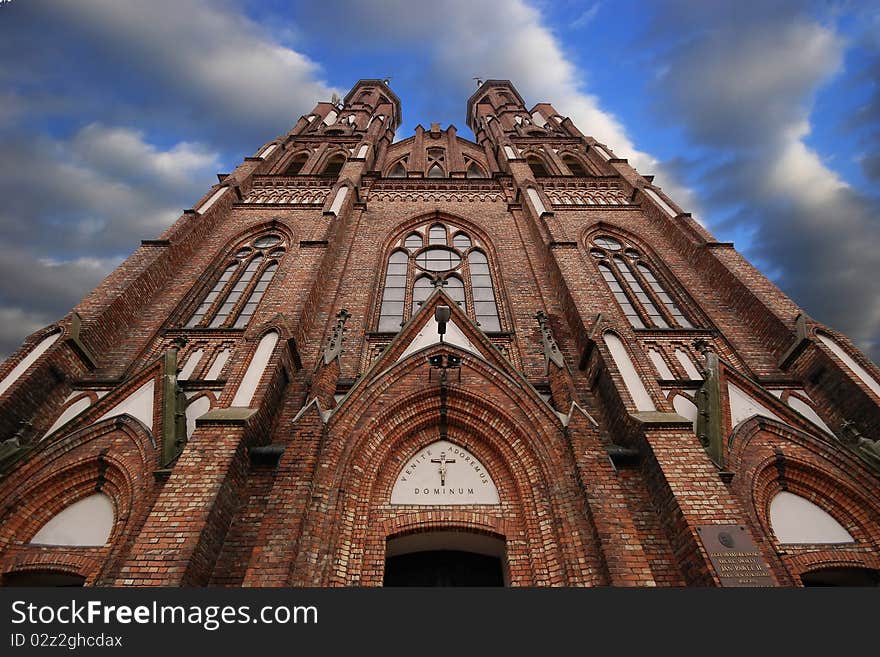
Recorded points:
(321, 516)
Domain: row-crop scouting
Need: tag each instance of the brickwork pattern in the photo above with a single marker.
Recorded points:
(573, 511)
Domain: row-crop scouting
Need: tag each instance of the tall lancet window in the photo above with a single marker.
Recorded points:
(438, 254)
(235, 295)
(642, 297)
(394, 294)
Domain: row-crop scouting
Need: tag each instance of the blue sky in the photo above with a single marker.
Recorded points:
(761, 117)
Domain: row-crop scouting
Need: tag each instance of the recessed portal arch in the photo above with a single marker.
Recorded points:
(446, 557)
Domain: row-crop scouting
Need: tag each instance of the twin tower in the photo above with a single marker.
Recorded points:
(511, 361)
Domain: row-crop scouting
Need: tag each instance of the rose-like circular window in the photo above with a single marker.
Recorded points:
(438, 258)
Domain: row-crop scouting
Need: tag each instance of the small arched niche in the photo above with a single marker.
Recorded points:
(87, 522)
(795, 519)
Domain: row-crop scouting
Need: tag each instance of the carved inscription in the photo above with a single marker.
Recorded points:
(444, 473)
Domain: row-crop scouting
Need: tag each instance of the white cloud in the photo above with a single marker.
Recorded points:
(76, 207)
(797, 171)
(15, 325)
(505, 41)
(209, 57)
(124, 153)
(744, 84)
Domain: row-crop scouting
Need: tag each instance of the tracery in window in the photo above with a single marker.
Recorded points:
(437, 234)
(436, 164)
(485, 308)
(234, 297)
(639, 293)
(419, 265)
(461, 241)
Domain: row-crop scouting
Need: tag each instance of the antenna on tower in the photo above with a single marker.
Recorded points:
(479, 81)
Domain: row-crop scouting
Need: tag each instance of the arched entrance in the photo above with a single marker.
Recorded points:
(445, 558)
(42, 578)
(845, 576)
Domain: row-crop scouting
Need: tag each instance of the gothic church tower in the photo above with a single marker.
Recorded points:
(507, 361)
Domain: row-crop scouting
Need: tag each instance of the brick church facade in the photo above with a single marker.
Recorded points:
(357, 356)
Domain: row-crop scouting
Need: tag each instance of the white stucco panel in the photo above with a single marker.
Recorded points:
(248, 387)
(795, 519)
(138, 404)
(69, 413)
(429, 335)
(86, 522)
(27, 361)
(742, 406)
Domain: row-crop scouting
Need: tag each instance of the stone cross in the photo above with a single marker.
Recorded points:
(442, 469)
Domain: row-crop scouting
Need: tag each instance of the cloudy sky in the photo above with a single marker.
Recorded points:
(760, 116)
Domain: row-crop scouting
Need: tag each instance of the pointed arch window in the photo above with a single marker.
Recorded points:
(398, 170)
(421, 291)
(539, 170)
(436, 172)
(644, 300)
(296, 164)
(235, 296)
(474, 170)
(485, 308)
(334, 166)
(455, 289)
(417, 266)
(574, 165)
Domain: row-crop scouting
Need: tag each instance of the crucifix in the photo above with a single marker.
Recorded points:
(442, 469)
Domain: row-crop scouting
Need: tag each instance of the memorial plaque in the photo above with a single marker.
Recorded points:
(734, 556)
